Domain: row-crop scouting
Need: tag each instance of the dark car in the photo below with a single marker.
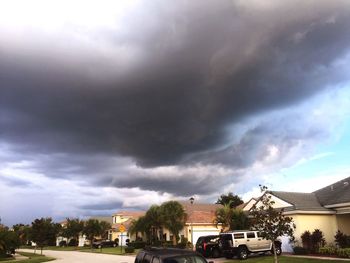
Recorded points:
(209, 246)
(169, 255)
(104, 243)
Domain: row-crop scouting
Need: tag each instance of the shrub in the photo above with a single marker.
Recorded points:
(317, 240)
(328, 250)
(306, 240)
(342, 240)
(300, 250)
(73, 242)
(137, 244)
(62, 243)
(343, 252)
(129, 249)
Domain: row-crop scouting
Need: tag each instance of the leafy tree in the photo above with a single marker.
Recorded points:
(229, 199)
(173, 217)
(141, 225)
(44, 232)
(23, 233)
(269, 221)
(92, 228)
(73, 229)
(9, 241)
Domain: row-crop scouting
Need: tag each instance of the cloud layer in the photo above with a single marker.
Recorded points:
(152, 94)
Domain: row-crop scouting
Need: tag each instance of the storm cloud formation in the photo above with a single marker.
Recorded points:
(169, 84)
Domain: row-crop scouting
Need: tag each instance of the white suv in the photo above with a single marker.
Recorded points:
(242, 243)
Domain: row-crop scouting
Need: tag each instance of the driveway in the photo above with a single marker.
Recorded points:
(78, 257)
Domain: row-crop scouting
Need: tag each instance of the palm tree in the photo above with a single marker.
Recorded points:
(105, 226)
(154, 222)
(223, 216)
(92, 228)
(173, 217)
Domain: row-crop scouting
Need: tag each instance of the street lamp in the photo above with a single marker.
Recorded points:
(191, 202)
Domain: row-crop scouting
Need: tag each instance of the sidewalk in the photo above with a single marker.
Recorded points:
(316, 257)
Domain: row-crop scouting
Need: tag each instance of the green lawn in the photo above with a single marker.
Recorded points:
(32, 258)
(269, 259)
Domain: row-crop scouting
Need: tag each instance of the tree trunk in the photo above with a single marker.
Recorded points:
(174, 240)
(274, 252)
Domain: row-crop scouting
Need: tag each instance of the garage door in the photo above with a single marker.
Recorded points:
(205, 232)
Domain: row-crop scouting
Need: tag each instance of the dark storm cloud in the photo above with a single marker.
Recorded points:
(103, 206)
(202, 66)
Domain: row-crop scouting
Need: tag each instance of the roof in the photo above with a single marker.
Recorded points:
(300, 201)
(200, 213)
(336, 193)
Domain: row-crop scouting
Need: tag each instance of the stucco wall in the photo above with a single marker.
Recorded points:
(344, 223)
(326, 223)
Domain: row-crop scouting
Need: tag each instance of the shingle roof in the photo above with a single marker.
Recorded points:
(300, 201)
(107, 219)
(336, 193)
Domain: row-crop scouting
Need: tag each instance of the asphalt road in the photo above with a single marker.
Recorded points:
(79, 257)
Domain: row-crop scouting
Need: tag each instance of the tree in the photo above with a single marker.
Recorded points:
(105, 226)
(173, 217)
(223, 216)
(44, 232)
(232, 200)
(269, 221)
(92, 228)
(231, 218)
(9, 241)
(73, 229)
(23, 233)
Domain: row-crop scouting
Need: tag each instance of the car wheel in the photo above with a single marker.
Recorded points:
(243, 253)
(215, 253)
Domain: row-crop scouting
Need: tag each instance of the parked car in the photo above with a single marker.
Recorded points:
(209, 246)
(242, 243)
(169, 255)
(104, 243)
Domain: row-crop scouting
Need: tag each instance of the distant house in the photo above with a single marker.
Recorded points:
(327, 209)
(200, 222)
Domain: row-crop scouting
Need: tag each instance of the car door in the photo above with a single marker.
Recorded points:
(264, 244)
(252, 241)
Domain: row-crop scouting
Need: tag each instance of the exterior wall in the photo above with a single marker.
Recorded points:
(326, 223)
(122, 237)
(200, 230)
(344, 223)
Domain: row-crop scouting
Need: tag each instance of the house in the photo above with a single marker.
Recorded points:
(327, 209)
(200, 222)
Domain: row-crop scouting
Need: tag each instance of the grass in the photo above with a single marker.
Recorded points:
(32, 258)
(282, 259)
(6, 258)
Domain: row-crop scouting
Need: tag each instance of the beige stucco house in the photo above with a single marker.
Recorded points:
(200, 222)
(327, 209)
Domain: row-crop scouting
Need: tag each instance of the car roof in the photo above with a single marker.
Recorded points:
(168, 252)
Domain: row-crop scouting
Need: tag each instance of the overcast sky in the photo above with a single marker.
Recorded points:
(116, 105)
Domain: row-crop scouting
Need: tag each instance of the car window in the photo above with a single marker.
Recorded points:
(259, 234)
(226, 237)
(238, 236)
(139, 257)
(185, 259)
(250, 235)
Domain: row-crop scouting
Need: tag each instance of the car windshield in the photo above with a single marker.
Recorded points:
(185, 259)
